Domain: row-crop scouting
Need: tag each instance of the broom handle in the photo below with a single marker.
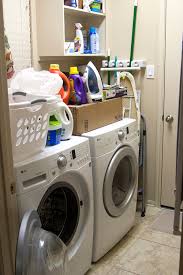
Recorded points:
(133, 31)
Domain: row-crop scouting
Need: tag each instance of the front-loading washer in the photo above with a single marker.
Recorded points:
(114, 150)
(58, 184)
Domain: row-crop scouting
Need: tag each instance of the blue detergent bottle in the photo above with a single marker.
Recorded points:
(54, 131)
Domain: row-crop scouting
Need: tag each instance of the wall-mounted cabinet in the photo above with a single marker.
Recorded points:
(56, 25)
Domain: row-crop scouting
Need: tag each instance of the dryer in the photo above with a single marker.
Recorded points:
(114, 151)
(58, 184)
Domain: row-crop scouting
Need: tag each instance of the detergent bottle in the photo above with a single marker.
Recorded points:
(60, 122)
(78, 92)
(54, 131)
(65, 90)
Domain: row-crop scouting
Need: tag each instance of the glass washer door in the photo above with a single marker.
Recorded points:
(39, 251)
(120, 181)
(59, 211)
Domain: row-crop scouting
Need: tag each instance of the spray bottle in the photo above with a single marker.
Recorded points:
(79, 40)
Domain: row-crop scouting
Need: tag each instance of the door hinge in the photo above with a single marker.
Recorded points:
(163, 117)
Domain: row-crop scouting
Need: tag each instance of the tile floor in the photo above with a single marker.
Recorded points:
(142, 252)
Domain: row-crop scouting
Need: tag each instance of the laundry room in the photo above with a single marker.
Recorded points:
(91, 137)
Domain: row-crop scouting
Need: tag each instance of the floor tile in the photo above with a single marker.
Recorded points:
(148, 258)
(161, 238)
(111, 259)
(117, 270)
(142, 223)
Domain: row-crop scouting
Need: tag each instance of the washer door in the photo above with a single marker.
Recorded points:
(38, 251)
(59, 211)
(120, 181)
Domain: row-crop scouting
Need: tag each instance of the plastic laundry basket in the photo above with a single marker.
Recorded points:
(29, 118)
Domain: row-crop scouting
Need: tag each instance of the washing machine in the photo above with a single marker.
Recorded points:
(114, 151)
(58, 185)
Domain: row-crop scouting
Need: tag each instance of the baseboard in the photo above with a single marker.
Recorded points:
(151, 203)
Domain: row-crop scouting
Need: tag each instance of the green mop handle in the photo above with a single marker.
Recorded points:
(133, 31)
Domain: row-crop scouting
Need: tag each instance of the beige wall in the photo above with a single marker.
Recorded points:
(148, 46)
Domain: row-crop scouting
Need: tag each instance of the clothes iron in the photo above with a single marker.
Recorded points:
(93, 82)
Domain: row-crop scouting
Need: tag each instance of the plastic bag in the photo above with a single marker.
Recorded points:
(37, 83)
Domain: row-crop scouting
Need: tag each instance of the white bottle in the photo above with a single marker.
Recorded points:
(79, 40)
(93, 40)
(97, 41)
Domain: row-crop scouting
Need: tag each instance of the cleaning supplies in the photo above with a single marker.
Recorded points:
(86, 5)
(93, 82)
(65, 90)
(54, 131)
(114, 91)
(96, 6)
(79, 40)
(71, 3)
(85, 37)
(97, 41)
(78, 92)
(61, 117)
(93, 40)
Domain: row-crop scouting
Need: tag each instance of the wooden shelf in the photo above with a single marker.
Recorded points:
(80, 12)
(53, 33)
(120, 69)
(86, 55)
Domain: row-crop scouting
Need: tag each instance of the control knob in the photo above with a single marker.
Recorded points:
(61, 162)
(121, 135)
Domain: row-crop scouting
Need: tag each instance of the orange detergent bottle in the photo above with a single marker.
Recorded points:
(65, 90)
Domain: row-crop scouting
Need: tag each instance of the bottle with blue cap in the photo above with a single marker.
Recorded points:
(93, 40)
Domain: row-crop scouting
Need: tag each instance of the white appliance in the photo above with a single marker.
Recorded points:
(114, 151)
(58, 184)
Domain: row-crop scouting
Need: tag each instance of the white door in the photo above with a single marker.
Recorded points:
(174, 30)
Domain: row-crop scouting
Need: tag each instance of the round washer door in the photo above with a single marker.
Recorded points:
(59, 211)
(120, 181)
(38, 251)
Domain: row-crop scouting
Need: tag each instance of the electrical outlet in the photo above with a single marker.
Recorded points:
(150, 72)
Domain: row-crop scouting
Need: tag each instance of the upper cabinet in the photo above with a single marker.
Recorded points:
(56, 25)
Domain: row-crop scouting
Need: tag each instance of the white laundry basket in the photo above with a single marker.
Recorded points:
(29, 118)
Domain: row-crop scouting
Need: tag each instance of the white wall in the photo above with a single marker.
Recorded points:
(17, 25)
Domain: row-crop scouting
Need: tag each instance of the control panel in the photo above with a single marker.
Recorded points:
(74, 158)
(109, 141)
(52, 163)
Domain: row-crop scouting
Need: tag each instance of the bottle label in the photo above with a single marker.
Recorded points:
(77, 44)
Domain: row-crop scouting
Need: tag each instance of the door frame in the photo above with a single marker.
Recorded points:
(8, 206)
(161, 100)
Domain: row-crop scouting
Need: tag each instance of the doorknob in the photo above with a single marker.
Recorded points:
(169, 119)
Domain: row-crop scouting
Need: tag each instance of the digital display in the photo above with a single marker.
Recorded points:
(73, 154)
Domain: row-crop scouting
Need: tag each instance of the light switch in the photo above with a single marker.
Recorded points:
(150, 71)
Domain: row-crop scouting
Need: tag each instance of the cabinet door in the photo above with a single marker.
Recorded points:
(119, 27)
(50, 27)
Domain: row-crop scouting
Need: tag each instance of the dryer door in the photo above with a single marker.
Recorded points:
(120, 181)
(38, 251)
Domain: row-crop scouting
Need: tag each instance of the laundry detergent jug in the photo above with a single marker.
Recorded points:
(65, 90)
(63, 121)
(78, 92)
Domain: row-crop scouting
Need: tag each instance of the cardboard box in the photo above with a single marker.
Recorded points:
(95, 115)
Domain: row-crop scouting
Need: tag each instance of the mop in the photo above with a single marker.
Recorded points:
(133, 31)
